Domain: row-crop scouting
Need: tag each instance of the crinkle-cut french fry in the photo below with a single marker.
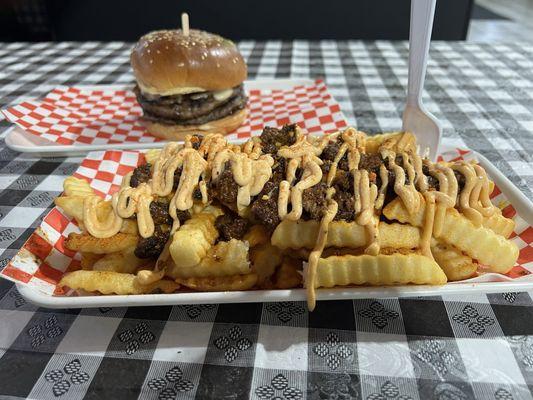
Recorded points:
(220, 283)
(257, 235)
(480, 243)
(298, 234)
(288, 275)
(398, 236)
(395, 269)
(193, 239)
(395, 210)
(73, 207)
(397, 141)
(90, 244)
(76, 190)
(392, 250)
(88, 260)
(223, 259)
(265, 258)
(373, 142)
(303, 254)
(77, 187)
(499, 224)
(104, 210)
(491, 186)
(455, 264)
(152, 155)
(123, 261)
(108, 282)
(303, 234)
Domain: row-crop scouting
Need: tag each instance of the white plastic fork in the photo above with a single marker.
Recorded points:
(416, 119)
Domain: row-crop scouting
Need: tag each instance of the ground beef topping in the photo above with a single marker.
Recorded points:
(196, 141)
(371, 162)
(141, 174)
(225, 189)
(330, 152)
(343, 181)
(345, 201)
(177, 176)
(231, 226)
(265, 207)
(433, 182)
(460, 180)
(272, 139)
(314, 201)
(278, 169)
(159, 213)
(152, 246)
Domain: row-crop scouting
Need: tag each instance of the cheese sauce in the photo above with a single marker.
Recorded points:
(320, 244)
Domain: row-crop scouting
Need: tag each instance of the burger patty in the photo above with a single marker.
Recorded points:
(190, 109)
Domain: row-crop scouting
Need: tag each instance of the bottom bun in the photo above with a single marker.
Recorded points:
(178, 132)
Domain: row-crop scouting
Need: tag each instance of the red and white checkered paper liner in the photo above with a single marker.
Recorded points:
(43, 259)
(77, 116)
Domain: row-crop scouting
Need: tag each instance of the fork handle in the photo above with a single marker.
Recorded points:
(422, 12)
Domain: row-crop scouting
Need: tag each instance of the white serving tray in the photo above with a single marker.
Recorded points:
(19, 140)
(259, 296)
(521, 203)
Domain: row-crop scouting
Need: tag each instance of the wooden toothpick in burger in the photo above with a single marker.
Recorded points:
(185, 24)
(189, 82)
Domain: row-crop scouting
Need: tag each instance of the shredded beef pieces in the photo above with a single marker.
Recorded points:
(231, 226)
(141, 174)
(273, 139)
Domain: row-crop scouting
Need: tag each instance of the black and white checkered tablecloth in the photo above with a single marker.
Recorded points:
(453, 347)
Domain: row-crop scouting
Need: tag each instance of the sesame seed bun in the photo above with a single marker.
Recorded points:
(178, 132)
(168, 62)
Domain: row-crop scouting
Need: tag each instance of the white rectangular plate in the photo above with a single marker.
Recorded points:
(19, 140)
(259, 296)
(520, 202)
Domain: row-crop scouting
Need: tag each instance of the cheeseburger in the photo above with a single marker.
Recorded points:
(189, 81)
